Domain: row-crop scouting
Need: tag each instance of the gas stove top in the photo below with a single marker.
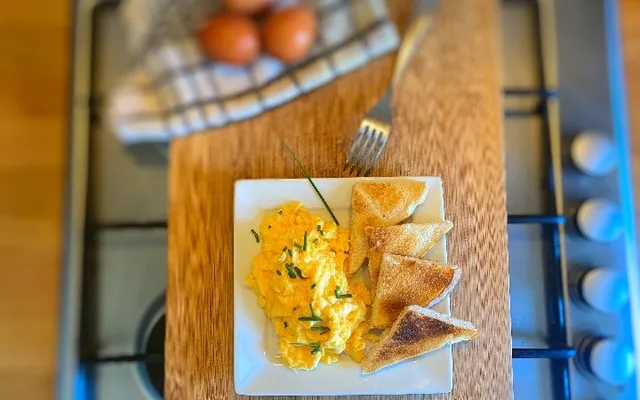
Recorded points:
(572, 248)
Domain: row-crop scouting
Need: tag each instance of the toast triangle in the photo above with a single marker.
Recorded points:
(380, 204)
(412, 239)
(418, 330)
(405, 281)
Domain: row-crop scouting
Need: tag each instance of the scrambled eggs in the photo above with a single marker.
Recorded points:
(301, 285)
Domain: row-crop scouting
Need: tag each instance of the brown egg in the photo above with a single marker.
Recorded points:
(289, 33)
(249, 7)
(230, 38)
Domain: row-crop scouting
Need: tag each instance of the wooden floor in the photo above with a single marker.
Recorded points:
(33, 107)
(34, 42)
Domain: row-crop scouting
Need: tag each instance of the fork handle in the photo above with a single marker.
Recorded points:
(412, 39)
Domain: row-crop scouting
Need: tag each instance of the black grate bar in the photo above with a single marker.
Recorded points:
(125, 358)
(557, 353)
(524, 113)
(128, 225)
(526, 92)
(543, 219)
(556, 323)
(550, 353)
(554, 279)
(99, 100)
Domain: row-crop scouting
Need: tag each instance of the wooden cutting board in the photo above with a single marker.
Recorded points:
(447, 122)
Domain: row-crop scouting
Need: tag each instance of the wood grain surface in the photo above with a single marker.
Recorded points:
(34, 40)
(447, 122)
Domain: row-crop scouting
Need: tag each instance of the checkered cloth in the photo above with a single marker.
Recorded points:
(175, 91)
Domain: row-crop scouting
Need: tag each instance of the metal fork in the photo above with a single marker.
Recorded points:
(375, 128)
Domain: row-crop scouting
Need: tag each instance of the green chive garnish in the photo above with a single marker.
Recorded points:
(313, 316)
(280, 212)
(341, 296)
(290, 252)
(313, 286)
(298, 245)
(299, 272)
(320, 230)
(290, 271)
(315, 347)
(278, 272)
(321, 329)
(314, 319)
(284, 249)
(255, 235)
(305, 244)
(306, 174)
(285, 324)
(269, 227)
(316, 240)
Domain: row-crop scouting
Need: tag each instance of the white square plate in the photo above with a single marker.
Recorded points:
(256, 370)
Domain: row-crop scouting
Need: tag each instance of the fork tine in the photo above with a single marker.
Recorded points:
(369, 152)
(381, 143)
(356, 145)
(364, 148)
(366, 134)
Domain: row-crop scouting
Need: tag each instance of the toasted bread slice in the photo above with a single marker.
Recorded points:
(380, 204)
(418, 330)
(406, 281)
(413, 240)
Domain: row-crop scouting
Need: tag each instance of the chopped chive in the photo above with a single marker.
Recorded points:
(290, 252)
(306, 174)
(313, 316)
(316, 240)
(290, 271)
(284, 249)
(315, 347)
(255, 235)
(321, 329)
(285, 324)
(299, 272)
(269, 227)
(313, 286)
(305, 244)
(278, 272)
(320, 230)
(298, 245)
(280, 212)
(341, 296)
(313, 319)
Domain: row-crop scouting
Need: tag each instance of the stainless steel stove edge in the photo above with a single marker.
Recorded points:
(622, 133)
(75, 210)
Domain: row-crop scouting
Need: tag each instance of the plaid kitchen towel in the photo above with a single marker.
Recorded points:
(175, 91)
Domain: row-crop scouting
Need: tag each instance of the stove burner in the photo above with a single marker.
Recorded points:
(150, 341)
(154, 371)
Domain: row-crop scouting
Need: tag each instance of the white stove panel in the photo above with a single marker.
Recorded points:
(130, 268)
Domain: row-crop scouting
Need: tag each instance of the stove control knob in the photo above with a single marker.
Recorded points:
(606, 359)
(600, 220)
(593, 153)
(602, 289)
